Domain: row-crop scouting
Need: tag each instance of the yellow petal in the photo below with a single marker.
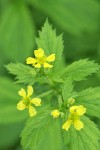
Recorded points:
(32, 111)
(67, 125)
(21, 106)
(73, 109)
(78, 124)
(37, 66)
(55, 113)
(36, 101)
(31, 60)
(80, 110)
(50, 58)
(29, 90)
(39, 53)
(22, 93)
(46, 65)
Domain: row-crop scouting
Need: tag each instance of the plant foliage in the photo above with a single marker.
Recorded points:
(62, 89)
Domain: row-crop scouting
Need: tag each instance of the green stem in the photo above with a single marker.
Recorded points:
(60, 100)
(50, 82)
(45, 94)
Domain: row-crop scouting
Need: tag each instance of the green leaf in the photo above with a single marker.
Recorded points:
(53, 139)
(90, 98)
(85, 139)
(67, 88)
(16, 32)
(36, 128)
(8, 101)
(73, 16)
(78, 70)
(23, 73)
(51, 43)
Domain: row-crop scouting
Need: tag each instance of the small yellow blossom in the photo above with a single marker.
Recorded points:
(40, 59)
(55, 113)
(71, 100)
(74, 118)
(78, 110)
(26, 101)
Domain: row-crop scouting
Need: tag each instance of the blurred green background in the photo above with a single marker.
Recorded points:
(20, 20)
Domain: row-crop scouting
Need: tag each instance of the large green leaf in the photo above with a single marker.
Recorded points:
(90, 98)
(78, 70)
(85, 139)
(8, 100)
(36, 128)
(53, 139)
(43, 131)
(16, 32)
(73, 16)
(23, 73)
(51, 43)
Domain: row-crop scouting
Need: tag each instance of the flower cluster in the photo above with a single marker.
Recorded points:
(75, 112)
(26, 101)
(41, 59)
(73, 118)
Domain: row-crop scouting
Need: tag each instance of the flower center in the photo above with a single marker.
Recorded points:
(73, 117)
(26, 101)
(41, 60)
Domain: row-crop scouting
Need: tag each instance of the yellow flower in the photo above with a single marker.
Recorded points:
(79, 110)
(74, 118)
(71, 101)
(67, 125)
(40, 59)
(55, 113)
(26, 101)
